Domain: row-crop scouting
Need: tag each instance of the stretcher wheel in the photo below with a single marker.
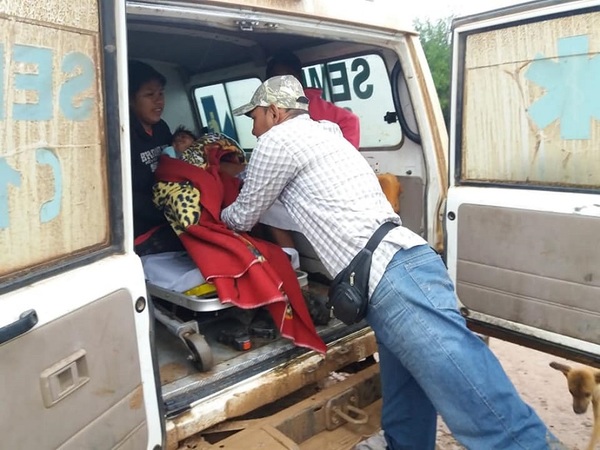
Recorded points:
(200, 353)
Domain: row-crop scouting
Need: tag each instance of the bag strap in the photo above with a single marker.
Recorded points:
(379, 235)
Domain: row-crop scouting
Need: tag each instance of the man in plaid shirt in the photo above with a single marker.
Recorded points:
(430, 362)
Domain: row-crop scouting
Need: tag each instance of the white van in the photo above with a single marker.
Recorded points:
(85, 364)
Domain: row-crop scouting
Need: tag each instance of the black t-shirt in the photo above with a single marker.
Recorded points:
(145, 150)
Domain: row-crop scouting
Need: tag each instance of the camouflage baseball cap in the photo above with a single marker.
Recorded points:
(283, 91)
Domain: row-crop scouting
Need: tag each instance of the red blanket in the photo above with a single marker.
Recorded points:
(246, 271)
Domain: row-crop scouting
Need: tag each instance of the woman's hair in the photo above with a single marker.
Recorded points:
(141, 73)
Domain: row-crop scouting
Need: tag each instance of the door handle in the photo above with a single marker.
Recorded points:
(24, 323)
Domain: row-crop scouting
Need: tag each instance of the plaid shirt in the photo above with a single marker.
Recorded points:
(327, 187)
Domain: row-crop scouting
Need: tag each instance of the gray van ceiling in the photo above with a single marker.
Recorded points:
(202, 49)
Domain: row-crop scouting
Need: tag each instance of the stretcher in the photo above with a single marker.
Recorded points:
(173, 278)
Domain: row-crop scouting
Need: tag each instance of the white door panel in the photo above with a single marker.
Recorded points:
(523, 209)
(520, 260)
(80, 375)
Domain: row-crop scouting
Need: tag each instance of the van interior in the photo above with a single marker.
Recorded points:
(213, 61)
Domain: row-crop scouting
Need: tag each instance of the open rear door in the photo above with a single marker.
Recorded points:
(75, 330)
(523, 210)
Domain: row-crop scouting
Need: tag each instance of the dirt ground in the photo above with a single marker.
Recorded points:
(542, 387)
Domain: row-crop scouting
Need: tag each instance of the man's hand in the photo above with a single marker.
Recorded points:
(230, 168)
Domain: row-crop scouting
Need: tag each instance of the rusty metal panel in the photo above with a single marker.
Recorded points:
(269, 386)
(304, 424)
(80, 14)
(531, 101)
(53, 181)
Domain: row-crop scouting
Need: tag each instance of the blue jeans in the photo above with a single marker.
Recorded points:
(432, 363)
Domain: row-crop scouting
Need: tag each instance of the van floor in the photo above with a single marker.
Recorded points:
(180, 376)
(223, 334)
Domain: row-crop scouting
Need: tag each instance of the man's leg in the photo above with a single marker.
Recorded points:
(413, 313)
(408, 418)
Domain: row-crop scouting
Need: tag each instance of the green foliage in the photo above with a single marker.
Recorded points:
(435, 39)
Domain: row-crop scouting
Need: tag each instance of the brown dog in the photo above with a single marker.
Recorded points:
(584, 386)
(392, 189)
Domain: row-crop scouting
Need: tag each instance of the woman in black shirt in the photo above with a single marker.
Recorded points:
(149, 136)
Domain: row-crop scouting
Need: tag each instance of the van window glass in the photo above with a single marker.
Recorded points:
(215, 103)
(54, 194)
(524, 121)
(362, 85)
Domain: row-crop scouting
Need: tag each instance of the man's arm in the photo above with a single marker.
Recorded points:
(270, 169)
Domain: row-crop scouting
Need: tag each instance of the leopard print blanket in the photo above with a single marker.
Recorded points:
(180, 201)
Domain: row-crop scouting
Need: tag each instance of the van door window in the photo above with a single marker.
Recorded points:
(215, 103)
(362, 85)
(545, 135)
(54, 192)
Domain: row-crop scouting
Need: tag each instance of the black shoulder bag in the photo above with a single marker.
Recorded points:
(349, 290)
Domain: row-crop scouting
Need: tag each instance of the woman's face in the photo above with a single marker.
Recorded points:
(148, 103)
